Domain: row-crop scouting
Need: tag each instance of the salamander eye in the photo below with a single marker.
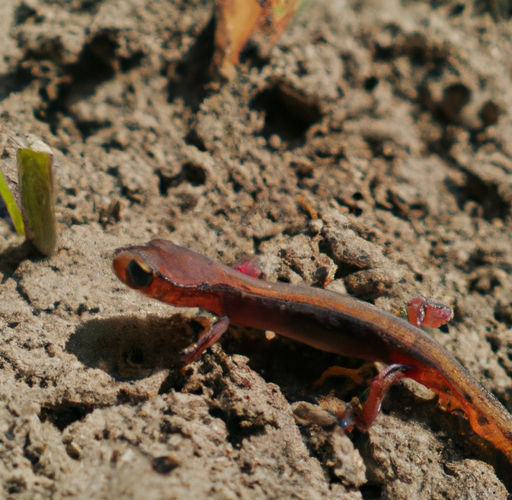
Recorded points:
(139, 274)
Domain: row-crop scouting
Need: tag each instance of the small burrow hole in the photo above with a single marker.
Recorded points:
(287, 113)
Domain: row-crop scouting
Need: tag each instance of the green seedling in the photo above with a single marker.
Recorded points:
(26, 188)
(37, 198)
(11, 206)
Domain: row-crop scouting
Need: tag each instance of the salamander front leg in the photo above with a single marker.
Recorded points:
(363, 414)
(206, 339)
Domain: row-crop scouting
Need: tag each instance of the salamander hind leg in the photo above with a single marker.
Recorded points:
(362, 412)
(358, 375)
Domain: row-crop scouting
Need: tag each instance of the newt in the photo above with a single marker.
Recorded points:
(320, 318)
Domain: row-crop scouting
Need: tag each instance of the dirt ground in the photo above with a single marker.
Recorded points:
(375, 138)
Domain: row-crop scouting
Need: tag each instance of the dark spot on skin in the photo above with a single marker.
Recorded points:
(468, 398)
(482, 420)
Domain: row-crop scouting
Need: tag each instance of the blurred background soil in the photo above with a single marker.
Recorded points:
(374, 139)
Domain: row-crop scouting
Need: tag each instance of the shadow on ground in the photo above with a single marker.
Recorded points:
(131, 348)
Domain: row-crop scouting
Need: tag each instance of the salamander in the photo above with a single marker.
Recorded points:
(320, 318)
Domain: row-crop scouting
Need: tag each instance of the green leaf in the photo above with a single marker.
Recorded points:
(11, 206)
(37, 198)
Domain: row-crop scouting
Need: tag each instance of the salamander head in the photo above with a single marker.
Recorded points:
(162, 265)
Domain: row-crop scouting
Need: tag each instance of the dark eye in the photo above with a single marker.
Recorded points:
(138, 275)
